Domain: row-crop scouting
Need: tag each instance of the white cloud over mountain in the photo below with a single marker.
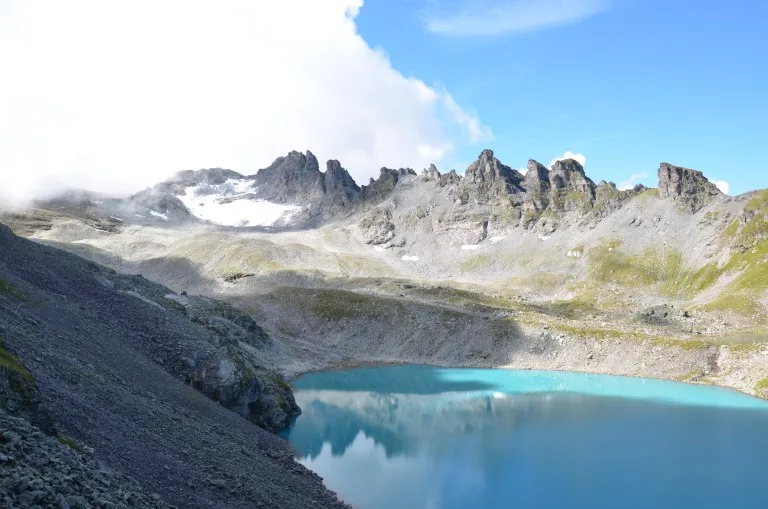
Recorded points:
(114, 96)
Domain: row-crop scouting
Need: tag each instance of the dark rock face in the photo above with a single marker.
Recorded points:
(340, 188)
(537, 186)
(689, 188)
(488, 173)
(295, 178)
(571, 188)
(162, 203)
(608, 198)
(450, 178)
(380, 188)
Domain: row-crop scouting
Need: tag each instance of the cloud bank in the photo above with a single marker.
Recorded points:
(114, 96)
(496, 17)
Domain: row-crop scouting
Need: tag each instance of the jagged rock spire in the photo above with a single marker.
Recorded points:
(690, 188)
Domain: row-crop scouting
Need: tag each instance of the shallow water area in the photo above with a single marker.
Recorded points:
(425, 437)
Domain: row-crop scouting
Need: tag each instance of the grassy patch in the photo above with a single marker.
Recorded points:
(762, 386)
(688, 377)
(732, 229)
(278, 381)
(611, 265)
(70, 442)
(11, 363)
(736, 303)
(746, 347)
(7, 288)
(648, 194)
(685, 344)
(331, 304)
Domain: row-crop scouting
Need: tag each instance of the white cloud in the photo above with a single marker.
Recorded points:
(114, 96)
(722, 185)
(576, 156)
(495, 17)
(632, 181)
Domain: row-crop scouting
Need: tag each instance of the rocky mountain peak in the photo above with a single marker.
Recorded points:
(537, 176)
(338, 178)
(537, 188)
(567, 172)
(690, 188)
(295, 178)
(432, 172)
(489, 170)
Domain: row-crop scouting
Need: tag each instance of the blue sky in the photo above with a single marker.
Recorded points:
(628, 83)
(372, 83)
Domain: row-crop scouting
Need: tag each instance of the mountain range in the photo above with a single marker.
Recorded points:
(196, 299)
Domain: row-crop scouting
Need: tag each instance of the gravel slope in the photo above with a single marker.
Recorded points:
(96, 356)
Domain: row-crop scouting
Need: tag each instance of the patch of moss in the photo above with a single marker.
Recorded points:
(7, 288)
(282, 403)
(611, 265)
(746, 347)
(762, 386)
(732, 229)
(685, 344)
(332, 304)
(648, 194)
(737, 303)
(693, 375)
(279, 381)
(70, 442)
(11, 363)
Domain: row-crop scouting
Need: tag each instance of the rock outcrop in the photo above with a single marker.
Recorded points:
(378, 189)
(487, 180)
(571, 189)
(609, 198)
(293, 179)
(689, 188)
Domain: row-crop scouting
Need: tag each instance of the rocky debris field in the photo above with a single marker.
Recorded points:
(114, 365)
(37, 470)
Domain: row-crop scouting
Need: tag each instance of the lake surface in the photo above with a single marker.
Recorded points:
(422, 437)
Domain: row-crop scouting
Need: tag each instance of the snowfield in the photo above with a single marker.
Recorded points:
(230, 204)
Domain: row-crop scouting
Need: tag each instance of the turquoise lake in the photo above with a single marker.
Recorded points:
(423, 437)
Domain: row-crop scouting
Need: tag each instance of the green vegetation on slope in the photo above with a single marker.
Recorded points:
(666, 269)
(8, 289)
(12, 364)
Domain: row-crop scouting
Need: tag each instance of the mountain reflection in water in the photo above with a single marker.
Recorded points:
(428, 437)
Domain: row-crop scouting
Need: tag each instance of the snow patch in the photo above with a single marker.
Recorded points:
(158, 215)
(232, 204)
(409, 258)
(544, 237)
(471, 247)
(574, 254)
(378, 248)
(116, 218)
(139, 215)
(499, 238)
